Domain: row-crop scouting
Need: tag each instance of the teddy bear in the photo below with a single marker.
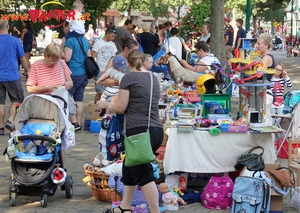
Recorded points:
(169, 197)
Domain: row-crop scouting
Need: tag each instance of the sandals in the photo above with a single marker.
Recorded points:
(113, 210)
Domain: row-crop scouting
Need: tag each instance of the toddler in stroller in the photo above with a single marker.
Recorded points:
(36, 149)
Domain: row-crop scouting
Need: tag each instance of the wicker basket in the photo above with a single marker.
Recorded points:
(107, 195)
(99, 186)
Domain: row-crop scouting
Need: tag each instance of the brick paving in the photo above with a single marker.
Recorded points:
(86, 148)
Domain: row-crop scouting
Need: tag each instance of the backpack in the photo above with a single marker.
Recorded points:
(251, 194)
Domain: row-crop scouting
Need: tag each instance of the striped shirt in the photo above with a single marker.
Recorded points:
(42, 75)
(280, 83)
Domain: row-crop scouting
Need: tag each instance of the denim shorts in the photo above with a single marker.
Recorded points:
(27, 48)
(14, 90)
(79, 84)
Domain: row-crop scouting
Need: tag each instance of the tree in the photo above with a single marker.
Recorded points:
(191, 24)
(158, 8)
(217, 30)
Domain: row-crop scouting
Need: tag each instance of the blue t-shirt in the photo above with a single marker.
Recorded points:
(240, 34)
(10, 50)
(77, 61)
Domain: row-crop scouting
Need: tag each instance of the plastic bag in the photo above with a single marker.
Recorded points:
(111, 141)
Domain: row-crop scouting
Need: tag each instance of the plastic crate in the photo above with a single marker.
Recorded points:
(95, 126)
(223, 99)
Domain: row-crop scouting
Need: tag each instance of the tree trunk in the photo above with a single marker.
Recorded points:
(217, 30)
(254, 23)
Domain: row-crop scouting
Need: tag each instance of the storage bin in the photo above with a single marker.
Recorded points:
(223, 99)
(282, 153)
(95, 126)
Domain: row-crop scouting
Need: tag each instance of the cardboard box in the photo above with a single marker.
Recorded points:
(92, 112)
(276, 205)
(164, 143)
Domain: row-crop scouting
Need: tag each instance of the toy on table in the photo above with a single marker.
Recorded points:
(169, 197)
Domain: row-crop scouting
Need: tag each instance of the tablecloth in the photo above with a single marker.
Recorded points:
(200, 152)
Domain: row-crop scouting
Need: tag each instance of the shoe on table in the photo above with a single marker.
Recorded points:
(10, 126)
(77, 127)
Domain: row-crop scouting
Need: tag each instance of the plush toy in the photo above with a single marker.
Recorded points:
(100, 161)
(178, 191)
(169, 197)
(156, 170)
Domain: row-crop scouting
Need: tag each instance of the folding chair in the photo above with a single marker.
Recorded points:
(283, 121)
(289, 122)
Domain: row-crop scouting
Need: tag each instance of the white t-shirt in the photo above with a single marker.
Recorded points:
(174, 45)
(48, 37)
(105, 50)
(90, 34)
(209, 59)
(205, 38)
(77, 25)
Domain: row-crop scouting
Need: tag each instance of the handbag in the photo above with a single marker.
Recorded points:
(283, 177)
(138, 147)
(217, 193)
(91, 67)
(71, 103)
(253, 162)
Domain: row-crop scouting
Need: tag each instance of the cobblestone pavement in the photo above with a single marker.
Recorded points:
(86, 148)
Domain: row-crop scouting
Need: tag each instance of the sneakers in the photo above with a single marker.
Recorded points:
(10, 126)
(77, 127)
(2, 131)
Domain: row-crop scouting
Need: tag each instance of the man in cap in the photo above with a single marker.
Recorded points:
(103, 50)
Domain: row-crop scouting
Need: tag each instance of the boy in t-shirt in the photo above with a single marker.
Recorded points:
(77, 28)
(116, 72)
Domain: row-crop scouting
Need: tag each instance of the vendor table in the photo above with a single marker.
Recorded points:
(200, 152)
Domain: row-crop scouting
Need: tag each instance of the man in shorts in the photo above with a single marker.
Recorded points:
(10, 80)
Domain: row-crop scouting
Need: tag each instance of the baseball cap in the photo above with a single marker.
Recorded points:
(111, 30)
(119, 62)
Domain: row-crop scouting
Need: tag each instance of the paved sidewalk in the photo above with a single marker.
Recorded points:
(86, 148)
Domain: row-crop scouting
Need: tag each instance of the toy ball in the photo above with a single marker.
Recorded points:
(58, 176)
(206, 84)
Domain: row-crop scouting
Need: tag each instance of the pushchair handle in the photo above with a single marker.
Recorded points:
(35, 137)
(63, 100)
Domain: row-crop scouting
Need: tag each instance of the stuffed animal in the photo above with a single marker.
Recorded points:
(178, 73)
(156, 170)
(169, 197)
(100, 161)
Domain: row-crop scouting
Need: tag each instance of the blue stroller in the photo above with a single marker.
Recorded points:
(34, 149)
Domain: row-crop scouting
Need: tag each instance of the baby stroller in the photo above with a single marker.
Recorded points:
(41, 131)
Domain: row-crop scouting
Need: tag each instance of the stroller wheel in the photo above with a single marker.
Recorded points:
(44, 200)
(69, 186)
(12, 196)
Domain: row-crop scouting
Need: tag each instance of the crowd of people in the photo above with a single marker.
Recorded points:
(122, 85)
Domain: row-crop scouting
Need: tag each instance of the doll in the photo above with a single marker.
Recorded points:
(169, 197)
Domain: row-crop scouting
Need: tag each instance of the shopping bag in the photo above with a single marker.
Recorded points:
(253, 161)
(217, 193)
(159, 68)
(138, 149)
(111, 141)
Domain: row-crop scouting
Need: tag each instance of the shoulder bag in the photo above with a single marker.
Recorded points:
(91, 67)
(253, 162)
(138, 147)
(71, 103)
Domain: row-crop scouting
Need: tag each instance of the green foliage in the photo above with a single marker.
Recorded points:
(159, 8)
(191, 24)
